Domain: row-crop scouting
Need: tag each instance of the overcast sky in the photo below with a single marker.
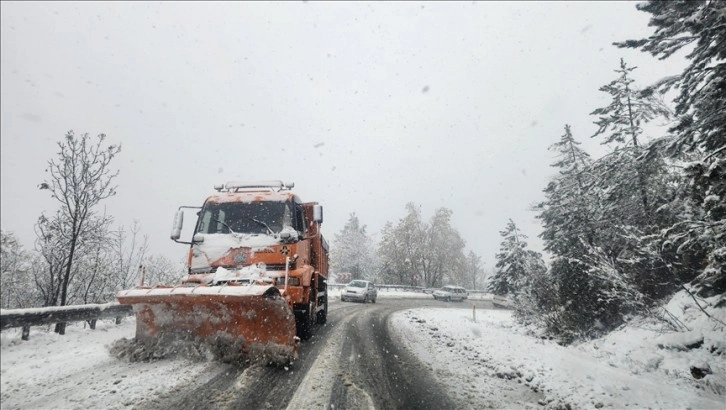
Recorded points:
(365, 106)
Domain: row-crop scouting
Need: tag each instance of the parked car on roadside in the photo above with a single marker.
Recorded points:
(359, 290)
(451, 293)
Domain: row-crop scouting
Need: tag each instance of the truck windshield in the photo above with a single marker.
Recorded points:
(248, 218)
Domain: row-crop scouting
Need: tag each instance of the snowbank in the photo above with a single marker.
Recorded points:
(76, 370)
(626, 369)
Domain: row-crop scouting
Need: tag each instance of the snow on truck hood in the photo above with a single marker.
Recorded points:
(217, 245)
(251, 273)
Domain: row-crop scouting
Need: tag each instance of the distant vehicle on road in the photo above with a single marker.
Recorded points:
(359, 290)
(451, 293)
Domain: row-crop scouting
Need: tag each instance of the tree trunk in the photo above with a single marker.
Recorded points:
(60, 328)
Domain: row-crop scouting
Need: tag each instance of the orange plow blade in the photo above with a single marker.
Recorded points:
(250, 322)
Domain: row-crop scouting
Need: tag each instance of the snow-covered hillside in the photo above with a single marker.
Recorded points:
(626, 369)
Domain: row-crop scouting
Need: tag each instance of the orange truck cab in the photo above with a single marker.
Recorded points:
(261, 232)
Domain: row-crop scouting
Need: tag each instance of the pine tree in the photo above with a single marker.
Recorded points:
(701, 104)
(515, 263)
(699, 239)
(621, 124)
(629, 109)
(584, 214)
(632, 183)
(566, 213)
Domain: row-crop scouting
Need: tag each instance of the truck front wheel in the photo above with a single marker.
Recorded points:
(304, 323)
(323, 314)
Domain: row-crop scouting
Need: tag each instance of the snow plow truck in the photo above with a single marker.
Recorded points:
(256, 281)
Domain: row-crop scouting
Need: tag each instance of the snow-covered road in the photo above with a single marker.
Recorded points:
(397, 353)
(352, 362)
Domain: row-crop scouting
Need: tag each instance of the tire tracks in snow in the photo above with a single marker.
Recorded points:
(353, 362)
(364, 367)
(380, 373)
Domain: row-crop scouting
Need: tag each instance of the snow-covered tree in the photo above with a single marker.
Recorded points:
(402, 248)
(443, 258)
(473, 271)
(128, 250)
(417, 253)
(79, 179)
(352, 251)
(158, 269)
(96, 270)
(621, 125)
(567, 213)
(700, 127)
(52, 244)
(16, 285)
(621, 121)
(515, 262)
(633, 184)
(701, 104)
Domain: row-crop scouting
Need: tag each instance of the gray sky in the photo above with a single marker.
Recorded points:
(365, 106)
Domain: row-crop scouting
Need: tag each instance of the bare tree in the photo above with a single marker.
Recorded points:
(129, 252)
(159, 269)
(474, 271)
(52, 247)
(79, 179)
(97, 268)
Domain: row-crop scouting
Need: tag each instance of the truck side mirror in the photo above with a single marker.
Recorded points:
(177, 227)
(318, 213)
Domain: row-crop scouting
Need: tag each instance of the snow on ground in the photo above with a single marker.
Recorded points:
(625, 369)
(78, 370)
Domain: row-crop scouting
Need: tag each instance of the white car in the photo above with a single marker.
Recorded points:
(359, 290)
(451, 293)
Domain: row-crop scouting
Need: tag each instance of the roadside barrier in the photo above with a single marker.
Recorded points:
(26, 318)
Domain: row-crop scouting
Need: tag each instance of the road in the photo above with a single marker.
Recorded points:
(352, 362)
(355, 361)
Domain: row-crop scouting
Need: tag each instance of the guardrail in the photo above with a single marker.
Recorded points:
(26, 318)
(400, 288)
(405, 288)
(501, 301)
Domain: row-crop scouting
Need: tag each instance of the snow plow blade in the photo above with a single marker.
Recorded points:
(239, 322)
